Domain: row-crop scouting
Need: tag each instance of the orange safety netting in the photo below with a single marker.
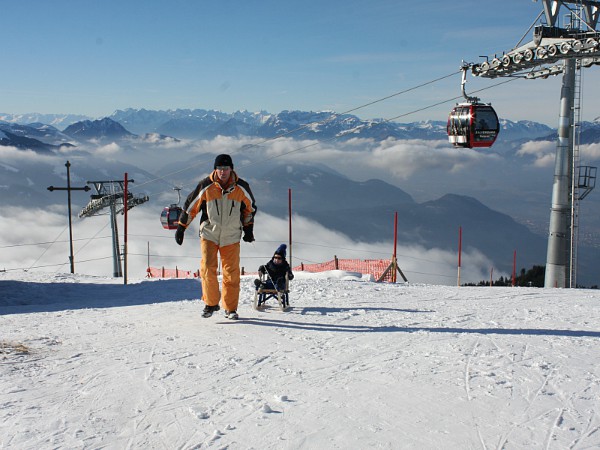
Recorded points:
(375, 267)
(381, 269)
(154, 272)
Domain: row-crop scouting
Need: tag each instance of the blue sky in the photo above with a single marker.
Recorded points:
(94, 57)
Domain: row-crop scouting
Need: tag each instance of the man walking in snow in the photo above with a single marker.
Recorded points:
(227, 208)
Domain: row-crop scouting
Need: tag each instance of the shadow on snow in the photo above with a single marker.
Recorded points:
(395, 329)
(20, 297)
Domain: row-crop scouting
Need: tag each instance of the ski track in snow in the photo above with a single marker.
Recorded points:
(351, 365)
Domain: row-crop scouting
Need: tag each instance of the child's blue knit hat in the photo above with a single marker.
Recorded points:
(281, 250)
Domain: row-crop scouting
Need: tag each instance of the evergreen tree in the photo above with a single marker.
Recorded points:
(533, 277)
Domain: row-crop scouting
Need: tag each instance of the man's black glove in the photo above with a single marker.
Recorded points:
(290, 275)
(248, 234)
(262, 269)
(179, 234)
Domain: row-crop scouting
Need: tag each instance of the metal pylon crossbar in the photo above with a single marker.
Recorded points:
(551, 44)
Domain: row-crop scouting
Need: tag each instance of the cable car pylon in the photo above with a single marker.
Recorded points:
(111, 194)
(576, 45)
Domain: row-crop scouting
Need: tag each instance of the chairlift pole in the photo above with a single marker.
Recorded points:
(117, 270)
(559, 238)
(69, 189)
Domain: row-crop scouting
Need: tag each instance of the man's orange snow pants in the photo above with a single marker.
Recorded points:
(230, 262)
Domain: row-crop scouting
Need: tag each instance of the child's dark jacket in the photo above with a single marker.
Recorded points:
(277, 271)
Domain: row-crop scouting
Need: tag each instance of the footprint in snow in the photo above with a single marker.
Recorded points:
(268, 410)
(199, 412)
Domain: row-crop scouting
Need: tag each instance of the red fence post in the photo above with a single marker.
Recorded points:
(514, 274)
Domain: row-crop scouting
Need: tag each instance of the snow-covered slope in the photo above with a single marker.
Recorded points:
(87, 362)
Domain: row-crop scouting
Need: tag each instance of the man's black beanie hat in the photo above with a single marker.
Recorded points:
(223, 160)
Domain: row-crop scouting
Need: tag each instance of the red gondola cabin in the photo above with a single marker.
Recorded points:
(169, 217)
(473, 125)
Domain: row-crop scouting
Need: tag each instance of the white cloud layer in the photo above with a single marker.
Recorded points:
(543, 152)
(364, 158)
(44, 245)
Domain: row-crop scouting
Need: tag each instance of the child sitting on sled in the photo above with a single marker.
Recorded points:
(275, 269)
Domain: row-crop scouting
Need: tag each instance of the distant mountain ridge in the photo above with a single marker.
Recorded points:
(321, 125)
(45, 138)
(366, 211)
(97, 129)
(38, 137)
(589, 133)
(200, 124)
(56, 120)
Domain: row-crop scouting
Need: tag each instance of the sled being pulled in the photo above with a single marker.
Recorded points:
(265, 289)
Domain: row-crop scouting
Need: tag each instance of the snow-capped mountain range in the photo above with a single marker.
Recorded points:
(207, 124)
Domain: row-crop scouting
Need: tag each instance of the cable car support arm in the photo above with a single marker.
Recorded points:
(550, 45)
(463, 83)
